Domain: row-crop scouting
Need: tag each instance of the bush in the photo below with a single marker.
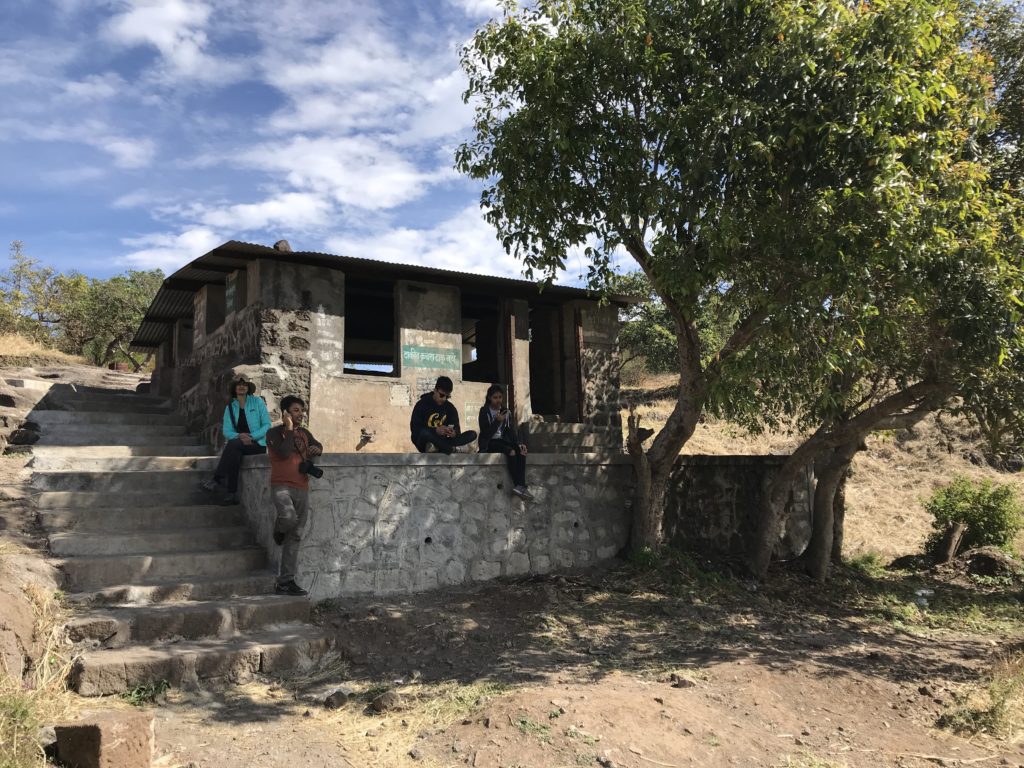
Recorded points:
(992, 513)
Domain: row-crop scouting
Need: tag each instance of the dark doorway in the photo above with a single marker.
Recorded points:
(370, 346)
(481, 339)
(547, 375)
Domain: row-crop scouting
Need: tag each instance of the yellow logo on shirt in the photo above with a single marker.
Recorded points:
(436, 420)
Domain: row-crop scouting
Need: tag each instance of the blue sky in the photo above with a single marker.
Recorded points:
(142, 133)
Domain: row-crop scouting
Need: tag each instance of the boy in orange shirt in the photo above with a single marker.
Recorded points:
(291, 448)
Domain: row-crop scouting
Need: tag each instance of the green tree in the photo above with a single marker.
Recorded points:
(118, 306)
(770, 150)
(884, 356)
(999, 33)
(648, 330)
(79, 315)
(29, 293)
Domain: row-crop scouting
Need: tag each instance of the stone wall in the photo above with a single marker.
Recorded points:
(294, 317)
(713, 505)
(387, 524)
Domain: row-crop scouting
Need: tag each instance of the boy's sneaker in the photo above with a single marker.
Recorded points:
(290, 588)
(229, 500)
(210, 486)
(523, 492)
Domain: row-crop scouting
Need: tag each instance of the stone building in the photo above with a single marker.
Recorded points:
(360, 340)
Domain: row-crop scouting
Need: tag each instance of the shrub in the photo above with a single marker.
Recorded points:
(991, 511)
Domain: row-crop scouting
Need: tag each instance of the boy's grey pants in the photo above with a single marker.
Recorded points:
(292, 505)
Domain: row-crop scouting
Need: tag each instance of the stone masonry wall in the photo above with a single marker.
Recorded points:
(392, 523)
(713, 505)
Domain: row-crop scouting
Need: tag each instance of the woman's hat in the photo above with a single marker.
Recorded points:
(241, 380)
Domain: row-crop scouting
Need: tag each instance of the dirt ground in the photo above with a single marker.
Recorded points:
(623, 668)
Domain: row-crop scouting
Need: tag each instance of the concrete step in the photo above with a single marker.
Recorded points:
(114, 418)
(567, 442)
(118, 451)
(108, 434)
(73, 392)
(98, 571)
(146, 518)
(82, 463)
(156, 591)
(104, 406)
(120, 626)
(271, 651)
(80, 543)
(134, 499)
(158, 482)
(564, 428)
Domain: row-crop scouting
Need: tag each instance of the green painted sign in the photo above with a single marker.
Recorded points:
(431, 357)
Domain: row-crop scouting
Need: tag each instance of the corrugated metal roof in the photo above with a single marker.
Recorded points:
(174, 300)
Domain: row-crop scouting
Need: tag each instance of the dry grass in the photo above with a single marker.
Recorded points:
(16, 349)
(888, 483)
(42, 698)
(995, 708)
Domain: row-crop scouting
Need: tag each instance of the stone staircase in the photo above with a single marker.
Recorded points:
(168, 586)
(550, 435)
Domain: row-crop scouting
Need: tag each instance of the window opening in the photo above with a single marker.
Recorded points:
(370, 347)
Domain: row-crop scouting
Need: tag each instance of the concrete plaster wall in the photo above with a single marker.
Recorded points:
(370, 414)
(388, 524)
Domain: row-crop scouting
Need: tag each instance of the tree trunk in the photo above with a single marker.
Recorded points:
(108, 355)
(818, 556)
(951, 541)
(648, 506)
(773, 505)
(839, 513)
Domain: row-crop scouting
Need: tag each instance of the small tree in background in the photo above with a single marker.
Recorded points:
(84, 316)
(992, 513)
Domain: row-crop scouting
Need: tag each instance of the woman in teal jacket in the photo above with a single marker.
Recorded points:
(246, 423)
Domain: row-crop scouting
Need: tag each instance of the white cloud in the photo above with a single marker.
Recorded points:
(359, 56)
(66, 177)
(479, 8)
(291, 210)
(95, 87)
(464, 243)
(177, 29)
(441, 111)
(354, 170)
(126, 152)
(167, 251)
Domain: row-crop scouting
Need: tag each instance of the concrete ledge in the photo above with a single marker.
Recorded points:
(455, 460)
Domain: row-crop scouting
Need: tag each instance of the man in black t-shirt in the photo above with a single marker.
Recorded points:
(435, 421)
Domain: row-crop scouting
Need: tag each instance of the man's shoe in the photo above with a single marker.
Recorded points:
(523, 492)
(290, 588)
(210, 486)
(230, 500)
(279, 538)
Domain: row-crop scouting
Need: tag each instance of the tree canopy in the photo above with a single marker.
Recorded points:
(79, 315)
(778, 155)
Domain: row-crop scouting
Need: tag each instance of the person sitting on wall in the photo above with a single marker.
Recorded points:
(246, 422)
(435, 421)
(292, 448)
(498, 435)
